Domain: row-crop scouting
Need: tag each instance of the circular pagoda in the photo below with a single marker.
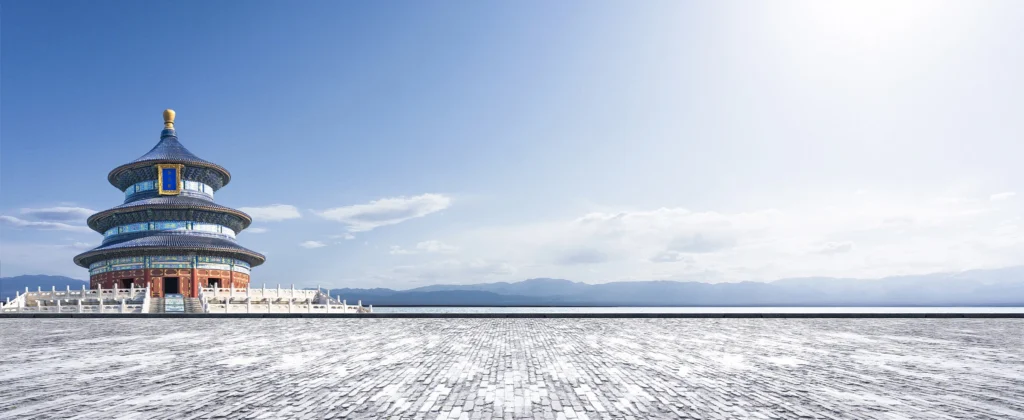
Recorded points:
(169, 234)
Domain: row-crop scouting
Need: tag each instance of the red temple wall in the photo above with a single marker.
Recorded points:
(186, 285)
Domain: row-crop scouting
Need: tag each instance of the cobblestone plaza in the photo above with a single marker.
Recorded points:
(512, 368)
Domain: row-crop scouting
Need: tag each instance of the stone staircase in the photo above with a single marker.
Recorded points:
(193, 306)
(156, 305)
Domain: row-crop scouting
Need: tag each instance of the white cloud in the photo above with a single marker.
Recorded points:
(386, 211)
(397, 250)
(425, 247)
(669, 256)
(44, 225)
(436, 246)
(272, 213)
(347, 236)
(452, 270)
(1002, 196)
(312, 244)
(65, 218)
(830, 248)
(583, 255)
(256, 230)
(867, 236)
(67, 214)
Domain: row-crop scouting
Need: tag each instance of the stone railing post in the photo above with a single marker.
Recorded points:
(79, 305)
(123, 307)
(58, 306)
(293, 290)
(309, 305)
(344, 306)
(248, 305)
(290, 303)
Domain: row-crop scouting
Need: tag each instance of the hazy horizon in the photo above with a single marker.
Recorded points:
(434, 143)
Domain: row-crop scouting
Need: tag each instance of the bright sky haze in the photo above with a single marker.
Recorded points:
(407, 144)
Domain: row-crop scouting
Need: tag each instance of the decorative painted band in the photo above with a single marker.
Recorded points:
(170, 225)
(151, 185)
(169, 261)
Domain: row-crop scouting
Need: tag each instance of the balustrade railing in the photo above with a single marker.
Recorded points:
(274, 300)
(128, 300)
(213, 300)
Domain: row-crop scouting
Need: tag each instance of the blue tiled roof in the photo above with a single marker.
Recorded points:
(168, 150)
(174, 201)
(171, 242)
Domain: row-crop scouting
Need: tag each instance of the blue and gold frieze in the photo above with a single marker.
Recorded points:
(169, 261)
(193, 186)
(170, 225)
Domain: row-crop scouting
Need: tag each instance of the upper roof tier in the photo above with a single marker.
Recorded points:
(169, 150)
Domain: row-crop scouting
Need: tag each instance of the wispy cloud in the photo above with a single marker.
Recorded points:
(477, 269)
(436, 246)
(257, 230)
(669, 256)
(1002, 196)
(425, 247)
(272, 213)
(830, 248)
(30, 224)
(386, 211)
(397, 250)
(312, 244)
(54, 214)
(65, 218)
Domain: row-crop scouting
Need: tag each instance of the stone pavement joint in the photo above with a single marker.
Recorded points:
(512, 368)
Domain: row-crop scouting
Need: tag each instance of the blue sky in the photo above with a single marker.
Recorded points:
(400, 145)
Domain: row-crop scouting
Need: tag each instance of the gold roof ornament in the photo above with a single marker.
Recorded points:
(169, 118)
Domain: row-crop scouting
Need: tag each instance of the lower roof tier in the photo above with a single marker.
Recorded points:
(161, 244)
(169, 208)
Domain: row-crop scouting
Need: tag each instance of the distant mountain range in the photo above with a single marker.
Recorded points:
(999, 287)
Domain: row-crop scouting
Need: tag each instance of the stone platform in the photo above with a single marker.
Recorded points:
(512, 368)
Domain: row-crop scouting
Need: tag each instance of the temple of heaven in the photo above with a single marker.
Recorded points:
(169, 234)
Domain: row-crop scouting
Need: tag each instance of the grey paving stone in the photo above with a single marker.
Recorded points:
(560, 368)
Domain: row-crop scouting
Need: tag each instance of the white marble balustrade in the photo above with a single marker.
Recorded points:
(114, 300)
(274, 300)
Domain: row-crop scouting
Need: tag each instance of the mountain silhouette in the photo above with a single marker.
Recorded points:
(998, 287)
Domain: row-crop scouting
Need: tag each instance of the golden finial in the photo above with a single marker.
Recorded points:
(168, 118)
